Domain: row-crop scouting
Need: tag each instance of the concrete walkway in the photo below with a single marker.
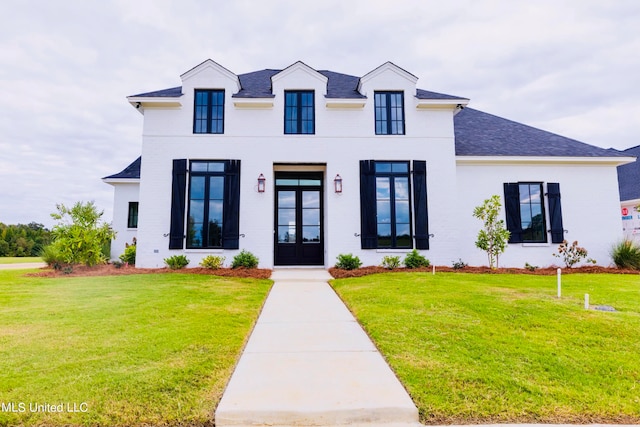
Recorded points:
(22, 266)
(309, 363)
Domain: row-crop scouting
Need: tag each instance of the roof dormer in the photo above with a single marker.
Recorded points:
(210, 74)
(299, 76)
(388, 76)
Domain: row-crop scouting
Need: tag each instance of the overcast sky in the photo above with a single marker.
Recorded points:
(570, 67)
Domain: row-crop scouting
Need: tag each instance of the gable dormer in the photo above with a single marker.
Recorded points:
(210, 75)
(390, 77)
(299, 76)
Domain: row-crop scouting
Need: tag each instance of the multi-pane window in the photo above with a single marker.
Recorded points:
(389, 108)
(206, 201)
(393, 221)
(132, 218)
(299, 112)
(208, 111)
(532, 212)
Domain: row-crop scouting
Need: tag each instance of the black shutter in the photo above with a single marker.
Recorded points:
(420, 204)
(555, 212)
(178, 195)
(512, 210)
(368, 232)
(231, 208)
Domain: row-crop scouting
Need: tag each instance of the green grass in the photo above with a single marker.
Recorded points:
(502, 348)
(19, 260)
(152, 349)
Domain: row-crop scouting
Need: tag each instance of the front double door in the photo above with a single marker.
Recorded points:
(299, 231)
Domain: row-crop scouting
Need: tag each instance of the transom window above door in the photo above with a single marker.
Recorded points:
(299, 112)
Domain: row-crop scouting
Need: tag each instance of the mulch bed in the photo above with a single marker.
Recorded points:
(111, 270)
(547, 271)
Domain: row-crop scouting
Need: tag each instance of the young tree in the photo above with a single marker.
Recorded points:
(80, 234)
(494, 236)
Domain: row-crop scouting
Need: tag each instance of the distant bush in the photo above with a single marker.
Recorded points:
(390, 262)
(626, 254)
(530, 267)
(176, 262)
(245, 259)
(212, 262)
(348, 262)
(415, 260)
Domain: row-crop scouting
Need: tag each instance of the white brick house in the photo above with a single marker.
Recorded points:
(367, 165)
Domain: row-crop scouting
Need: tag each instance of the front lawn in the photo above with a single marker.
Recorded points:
(153, 349)
(494, 348)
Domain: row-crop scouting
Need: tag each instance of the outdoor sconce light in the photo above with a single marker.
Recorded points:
(261, 185)
(337, 184)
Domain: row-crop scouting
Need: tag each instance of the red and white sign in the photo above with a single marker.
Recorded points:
(625, 211)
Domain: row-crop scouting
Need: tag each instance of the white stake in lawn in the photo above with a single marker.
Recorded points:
(559, 282)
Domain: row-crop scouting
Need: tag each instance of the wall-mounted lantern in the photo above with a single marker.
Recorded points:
(261, 183)
(337, 184)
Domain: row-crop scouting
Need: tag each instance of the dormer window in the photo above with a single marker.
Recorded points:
(389, 108)
(208, 111)
(299, 112)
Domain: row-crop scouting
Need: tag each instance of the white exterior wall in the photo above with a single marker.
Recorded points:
(590, 209)
(256, 137)
(123, 193)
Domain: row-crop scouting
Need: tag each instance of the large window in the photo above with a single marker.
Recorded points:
(393, 219)
(532, 213)
(208, 111)
(389, 108)
(132, 218)
(299, 112)
(526, 212)
(206, 205)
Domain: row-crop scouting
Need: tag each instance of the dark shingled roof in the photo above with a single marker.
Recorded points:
(130, 172)
(629, 176)
(257, 84)
(173, 92)
(483, 134)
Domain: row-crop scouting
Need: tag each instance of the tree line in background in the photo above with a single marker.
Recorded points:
(23, 240)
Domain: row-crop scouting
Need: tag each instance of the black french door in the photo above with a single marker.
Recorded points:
(299, 230)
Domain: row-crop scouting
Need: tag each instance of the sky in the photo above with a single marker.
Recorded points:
(66, 67)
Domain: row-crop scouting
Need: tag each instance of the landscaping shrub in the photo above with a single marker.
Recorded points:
(390, 262)
(415, 260)
(572, 254)
(176, 262)
(530, 267)
(80, 235)
(459, 265)
(212, 262)
(626, 254)
(348, 262)
(52, 257)
(245, 259)
(129, 255)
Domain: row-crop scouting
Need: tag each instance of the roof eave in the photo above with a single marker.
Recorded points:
(521, 160)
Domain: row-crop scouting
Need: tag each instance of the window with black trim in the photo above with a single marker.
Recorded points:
(299, 112)
(389, 112)
(132, 218)
(206, 204)
(393, 200)
(532, 212)
(208, 111)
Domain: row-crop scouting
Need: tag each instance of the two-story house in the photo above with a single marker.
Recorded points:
(299, 165)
